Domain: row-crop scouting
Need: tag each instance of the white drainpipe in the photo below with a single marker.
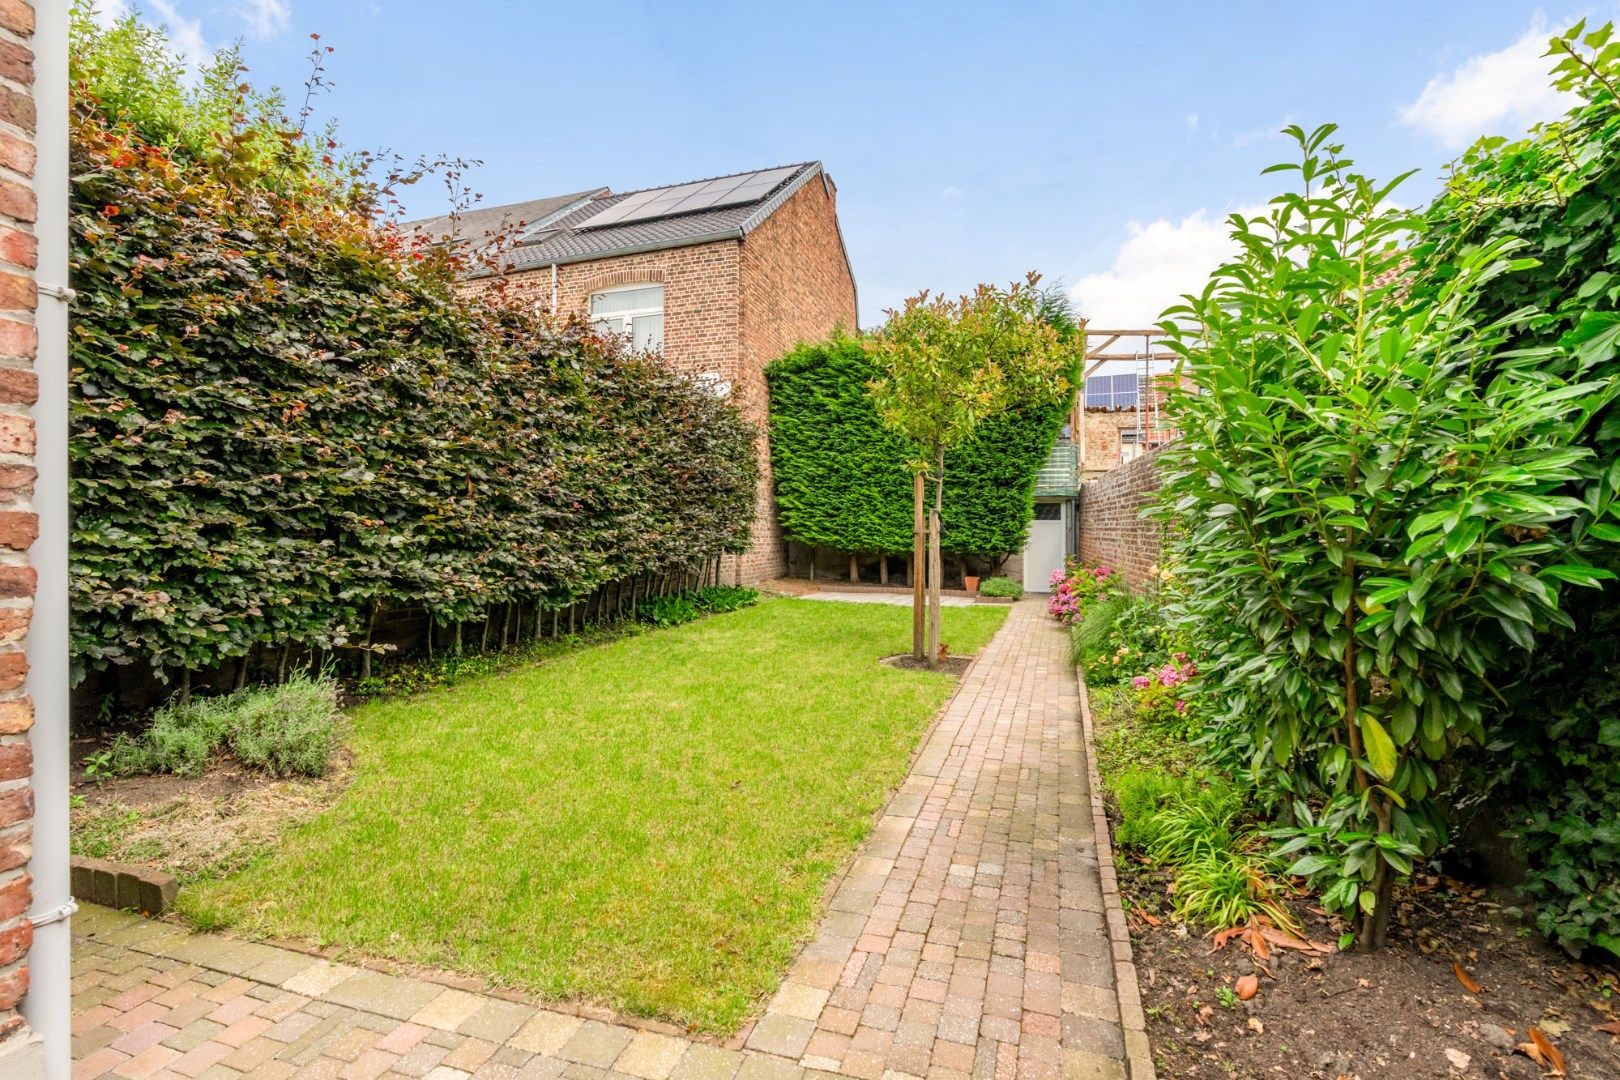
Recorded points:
(48, 1004)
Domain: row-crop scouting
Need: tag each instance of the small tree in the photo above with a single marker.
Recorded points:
(1369, 488)
(944, 366)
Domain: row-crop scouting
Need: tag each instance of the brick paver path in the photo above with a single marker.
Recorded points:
(967, 939)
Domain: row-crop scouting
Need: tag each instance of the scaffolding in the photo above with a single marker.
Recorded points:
(1147, 363)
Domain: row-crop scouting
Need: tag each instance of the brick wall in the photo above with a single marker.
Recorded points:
(1112, 529)
(18, 524)
(796, 286)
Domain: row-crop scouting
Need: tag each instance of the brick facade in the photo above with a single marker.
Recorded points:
(730, 308)
(18, 523)
(1113, 531)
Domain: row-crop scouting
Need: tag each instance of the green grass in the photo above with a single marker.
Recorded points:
(647, 824)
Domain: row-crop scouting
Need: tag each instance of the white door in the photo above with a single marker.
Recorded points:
(1046, 546)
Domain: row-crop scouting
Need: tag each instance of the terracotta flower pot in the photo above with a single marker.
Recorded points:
(971, 583)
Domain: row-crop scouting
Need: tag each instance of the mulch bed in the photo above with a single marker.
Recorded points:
(950, 665)
(1402, 1012)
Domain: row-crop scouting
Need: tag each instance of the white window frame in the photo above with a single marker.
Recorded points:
(626, 319)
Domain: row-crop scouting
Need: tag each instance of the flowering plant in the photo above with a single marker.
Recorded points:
(1074, 585)
(1162, 695)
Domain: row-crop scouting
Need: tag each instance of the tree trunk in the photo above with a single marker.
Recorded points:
(365, 653)
(242, 670)
(883, 569)
(936, 567)
(185, 686)
(936, 571)
(854, 569)
(918, 555)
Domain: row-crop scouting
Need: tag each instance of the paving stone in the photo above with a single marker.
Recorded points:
(596, 1044)
(448, 1009)
(783, 1035)
(760, 1067)
(702, 1062)
(546, 1032)
(650, 1056)
(496, 1020)
(389, 995)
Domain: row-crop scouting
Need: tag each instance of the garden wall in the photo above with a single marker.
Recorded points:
(1113, 531)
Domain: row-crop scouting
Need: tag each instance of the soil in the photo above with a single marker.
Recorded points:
(192, 826)
(950, 665)
(1401, 1012)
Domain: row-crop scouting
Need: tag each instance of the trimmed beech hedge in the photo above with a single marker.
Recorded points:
(285, 419)
(842, 478)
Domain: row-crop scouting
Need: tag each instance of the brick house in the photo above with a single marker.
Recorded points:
(721, 275)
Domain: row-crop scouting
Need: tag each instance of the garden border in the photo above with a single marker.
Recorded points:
(1138, 1051)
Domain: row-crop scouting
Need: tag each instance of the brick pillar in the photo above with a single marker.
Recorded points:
(18, 524)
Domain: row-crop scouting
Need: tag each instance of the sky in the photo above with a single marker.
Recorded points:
(1101, 144)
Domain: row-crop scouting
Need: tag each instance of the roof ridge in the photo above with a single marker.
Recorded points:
(708, 179)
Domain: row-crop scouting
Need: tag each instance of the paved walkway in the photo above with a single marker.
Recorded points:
(893, 599)
(967, 940)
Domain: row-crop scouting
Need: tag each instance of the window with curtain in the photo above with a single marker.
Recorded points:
(637, 311)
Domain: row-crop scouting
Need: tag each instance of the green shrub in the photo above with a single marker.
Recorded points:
(842, 479)
(718, 598)
(670, 610)
(1142, 794)
(1196, 821)
(181, 740)
(290, 729)
(1000, 586)
(1219, 887)
(286, 730)
(272, 441)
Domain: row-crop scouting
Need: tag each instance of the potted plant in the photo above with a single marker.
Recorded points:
(970, 582)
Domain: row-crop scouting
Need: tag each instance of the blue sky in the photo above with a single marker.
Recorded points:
(1099, 143)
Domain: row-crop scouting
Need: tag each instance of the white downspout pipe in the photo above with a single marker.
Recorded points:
(48, 1003)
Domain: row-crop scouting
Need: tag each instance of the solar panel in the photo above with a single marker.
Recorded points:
(1111, 391)
(688, 198)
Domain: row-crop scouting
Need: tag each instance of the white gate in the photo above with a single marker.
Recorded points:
(1046, 546)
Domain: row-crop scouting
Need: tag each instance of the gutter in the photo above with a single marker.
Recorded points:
(48, 1003)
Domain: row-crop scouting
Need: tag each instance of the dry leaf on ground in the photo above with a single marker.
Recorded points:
(1247, 987)
(1467, 980)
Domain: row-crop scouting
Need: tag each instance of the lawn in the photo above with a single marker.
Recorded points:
(646, 824)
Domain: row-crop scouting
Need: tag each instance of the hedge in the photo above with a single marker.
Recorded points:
(843, 479)
(285, 419)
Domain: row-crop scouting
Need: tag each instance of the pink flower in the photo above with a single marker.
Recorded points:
(1181, 706)
(1141, 682)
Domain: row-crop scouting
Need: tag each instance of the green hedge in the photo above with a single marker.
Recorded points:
(842, 478)
(285, 418)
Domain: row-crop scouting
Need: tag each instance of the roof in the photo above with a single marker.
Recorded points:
(485, 221)
(560, 230)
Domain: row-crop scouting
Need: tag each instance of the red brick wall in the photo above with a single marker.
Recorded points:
(18, 524)
(1113, 531)
(796, 286)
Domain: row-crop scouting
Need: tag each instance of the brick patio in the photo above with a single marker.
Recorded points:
(967, 939)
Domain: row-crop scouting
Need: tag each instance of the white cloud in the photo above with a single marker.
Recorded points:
(1192, 121)
(108, 12)
(952, 194)
(1156, 264)
(1496, 93)
(185, 35)
(265, 18)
